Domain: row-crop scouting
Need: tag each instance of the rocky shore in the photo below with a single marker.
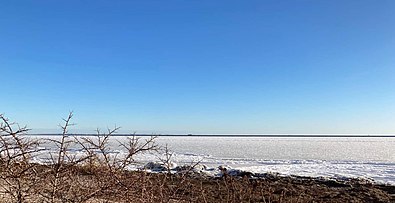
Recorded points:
(92, 184)
(242, 186)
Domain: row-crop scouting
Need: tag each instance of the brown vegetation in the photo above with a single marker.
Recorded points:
(99, 176)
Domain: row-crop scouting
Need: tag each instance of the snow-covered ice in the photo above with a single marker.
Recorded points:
(370, 158)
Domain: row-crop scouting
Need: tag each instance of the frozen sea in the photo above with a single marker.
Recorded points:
(368, 157)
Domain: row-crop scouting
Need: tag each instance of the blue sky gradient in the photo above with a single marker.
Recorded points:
(200, 66)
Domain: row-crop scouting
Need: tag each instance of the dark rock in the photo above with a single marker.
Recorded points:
(154, 166)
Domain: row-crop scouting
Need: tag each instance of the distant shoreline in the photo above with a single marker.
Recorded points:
(228, 135)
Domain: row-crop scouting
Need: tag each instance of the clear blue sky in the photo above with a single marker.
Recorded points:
(298, 66)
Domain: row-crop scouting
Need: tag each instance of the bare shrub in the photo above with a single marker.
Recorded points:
(96, 171)
(17, 173)
(135, 146)
(167, 160)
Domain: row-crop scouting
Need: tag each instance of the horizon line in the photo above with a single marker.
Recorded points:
(223, 135)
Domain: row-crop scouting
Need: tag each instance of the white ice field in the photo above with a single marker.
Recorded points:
(349, 157)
